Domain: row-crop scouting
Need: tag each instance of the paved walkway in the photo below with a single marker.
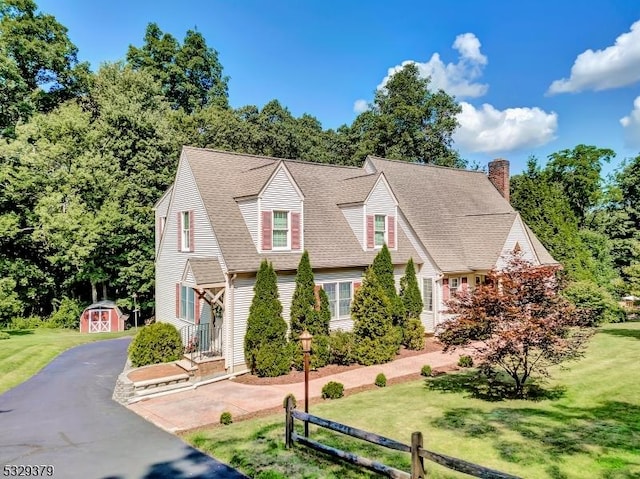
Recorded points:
(202, 406)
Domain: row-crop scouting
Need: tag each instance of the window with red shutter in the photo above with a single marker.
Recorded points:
(266, 230)
(295, 231)
(391, 232)
(370, 234)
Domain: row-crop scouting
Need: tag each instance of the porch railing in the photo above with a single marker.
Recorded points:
(202, 341)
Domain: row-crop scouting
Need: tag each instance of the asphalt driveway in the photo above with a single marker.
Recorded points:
(64, 416)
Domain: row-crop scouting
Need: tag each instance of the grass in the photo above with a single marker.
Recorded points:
(585, 424)
(28, 351)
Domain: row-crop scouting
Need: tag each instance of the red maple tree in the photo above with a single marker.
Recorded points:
(517, 321)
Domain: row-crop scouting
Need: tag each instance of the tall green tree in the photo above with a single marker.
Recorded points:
(410, 292)
(407, 121)
(382, 267)
(190, 74)
(39, 68)
(376, 340)
(578, 171)
(265, 342)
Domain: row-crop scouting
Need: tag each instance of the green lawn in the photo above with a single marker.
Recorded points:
(589, 427)
(28, 351)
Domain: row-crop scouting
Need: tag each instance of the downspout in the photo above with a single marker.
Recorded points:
(231, 322)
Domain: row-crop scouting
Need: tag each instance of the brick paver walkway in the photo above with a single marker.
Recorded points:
(201, 406)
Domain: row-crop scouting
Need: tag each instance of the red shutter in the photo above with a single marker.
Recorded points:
(177, 300)
(356, 286)
(316, 294)
(295, 231)
(391, 231)
(179, 230)
(266, 230)
(445, 289)
(370, 236)
(196, 307)
(191, 231)
(465, 286)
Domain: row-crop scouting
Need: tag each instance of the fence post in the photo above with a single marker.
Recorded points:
(288, 424)
(417, 463)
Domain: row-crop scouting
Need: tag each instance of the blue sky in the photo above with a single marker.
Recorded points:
(534, 77)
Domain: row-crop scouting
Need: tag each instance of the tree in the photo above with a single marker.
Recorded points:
(376, 340)
(517, 322)
(382, 267)
(409, 122)
(307, 312)
(265, 342)
(410, 292)
(579, 173)
(38, 64)
(190, 74)
(10, 304)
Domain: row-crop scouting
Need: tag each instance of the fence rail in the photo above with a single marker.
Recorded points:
(418, 453)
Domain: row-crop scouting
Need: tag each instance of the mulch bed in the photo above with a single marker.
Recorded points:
(431, 345)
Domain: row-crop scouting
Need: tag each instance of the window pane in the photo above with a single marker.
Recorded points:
(190, 305)
(279, 239)
(379, 223)
(280, 220)
(379, 238)
(345, 299)
(330, 289)
(427, 294)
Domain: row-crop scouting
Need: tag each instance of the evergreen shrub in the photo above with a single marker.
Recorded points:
(426, 371)
(226, 418)
(341, 348)
(381, 380)
(273, 359)
(332, 390)
(4, 335)
(414, 335)
(67, 315)
(154, 344)
(465, 361)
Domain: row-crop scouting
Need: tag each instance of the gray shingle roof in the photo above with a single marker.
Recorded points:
(223, 176)
(206, 270)
(459, 215)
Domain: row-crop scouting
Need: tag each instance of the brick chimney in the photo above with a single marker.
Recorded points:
(499, 176)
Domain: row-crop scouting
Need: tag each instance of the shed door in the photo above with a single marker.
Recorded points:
(99, 321)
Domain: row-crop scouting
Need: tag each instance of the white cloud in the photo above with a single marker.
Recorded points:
(615, 66)
(360, 106)
(489, 130)
(631, 125)
(454, 78)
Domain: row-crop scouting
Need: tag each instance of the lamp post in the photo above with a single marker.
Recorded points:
(305, 340)
(135, 308)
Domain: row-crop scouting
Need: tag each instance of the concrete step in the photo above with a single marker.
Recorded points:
(170, 388)
(155, 383)
(187, 366)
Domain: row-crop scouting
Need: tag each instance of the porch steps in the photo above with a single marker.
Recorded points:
(187, 366)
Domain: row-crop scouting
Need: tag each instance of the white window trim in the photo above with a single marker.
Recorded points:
(273, 229)
(338, 298)
(386, 231)
(185, 234)
(162, 224)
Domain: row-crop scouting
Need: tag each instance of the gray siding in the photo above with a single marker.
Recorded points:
(161, 208)
(380, 201)
(170, 263)
(355, 217)
(281, 194)
(249, 210)
(517, 235)
(353, 275)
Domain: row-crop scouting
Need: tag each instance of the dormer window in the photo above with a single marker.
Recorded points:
(280, 232)
(380, 230)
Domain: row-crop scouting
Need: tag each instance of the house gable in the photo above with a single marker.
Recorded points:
(517, 241)
(380, 216)
(280, 218)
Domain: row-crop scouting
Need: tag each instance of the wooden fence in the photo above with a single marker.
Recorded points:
(418, 453)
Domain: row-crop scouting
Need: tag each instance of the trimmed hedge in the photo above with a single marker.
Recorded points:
(426, 370)
(465, 361)
(381, 380)
(341, 348)
(226, 418)
(332, 390)
(154, 344)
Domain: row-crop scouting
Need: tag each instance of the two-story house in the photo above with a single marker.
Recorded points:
(226, 212)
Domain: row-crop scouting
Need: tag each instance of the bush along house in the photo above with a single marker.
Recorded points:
(225, 212)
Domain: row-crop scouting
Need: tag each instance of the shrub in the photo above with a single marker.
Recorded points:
(413, 334)
(381, 380)
(594, 302)
(156, 343)
(10, 304)
(341, 345)
(226, 418)
(32, 322)
(4, 335)
(410, 292)
(332, 390)
(266, 334)
(376, 339)
(273, 359)
(67, 315)
(286, 398)
(426, 371)
(465, 361)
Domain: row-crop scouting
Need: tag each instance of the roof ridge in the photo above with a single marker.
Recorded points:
(376, 173)
(427, 165)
